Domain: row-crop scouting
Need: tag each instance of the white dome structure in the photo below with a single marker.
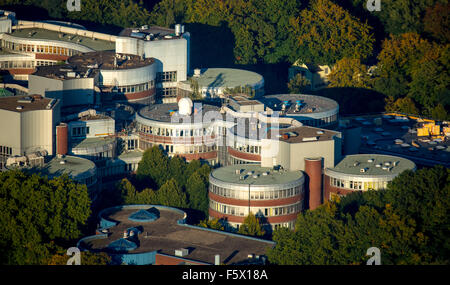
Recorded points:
(185, 106)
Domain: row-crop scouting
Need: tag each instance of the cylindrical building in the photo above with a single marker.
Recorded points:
(363, 172)
(274, 195)
(313, 170)
(61, 139)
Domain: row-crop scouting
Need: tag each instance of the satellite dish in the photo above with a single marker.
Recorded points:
(185, 106)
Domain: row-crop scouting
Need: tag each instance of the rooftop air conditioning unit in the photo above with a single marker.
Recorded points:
(181, 252)
(362, 170)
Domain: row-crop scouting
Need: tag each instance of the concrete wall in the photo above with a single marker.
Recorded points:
(10, 131)
(77, 91)
(122, 77)
(291, 155)
(28, 131)
(170, 55)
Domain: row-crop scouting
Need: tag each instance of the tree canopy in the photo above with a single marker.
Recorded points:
(409, 222)
(38, 215)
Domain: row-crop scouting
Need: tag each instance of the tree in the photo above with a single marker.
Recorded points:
(214, 224)
(153, 166)
(439, 113)
(197, 192)
(251, 226)
(349, 72)
(327, 33)
(403, 105)
(409, 222)
(177, 167)
(39, 214)
(131, 196)
(437, 21)
(171, 195)
(86, 258)
(299, 84)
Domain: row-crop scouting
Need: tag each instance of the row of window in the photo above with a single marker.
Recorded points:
(169, 148)
(261, 211)
(167, 132)
(167, 92)
(255, 195)
(137, 87)
(357, 185)
(5, 150)
(47, 49)
(247, 148)
(80, 131)
(168, 76)
(25, 64)
(319, 122)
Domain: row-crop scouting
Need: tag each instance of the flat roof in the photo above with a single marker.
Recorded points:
(227, 77)
(309, 103)
(161, 112)
(131, 154)
(105, 60)
(304, 134)
(61, 71)
(166, 236)
(73, 166)
(37, 33)
(256, 128)
(352, 164)
(26, 103)
(228, 174)
(93, 142)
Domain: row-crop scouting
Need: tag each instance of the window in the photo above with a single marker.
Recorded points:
(169, 76)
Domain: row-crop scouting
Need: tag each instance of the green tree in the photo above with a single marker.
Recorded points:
(37, 213)
(170, 194)
(299, 84)
(408, 222)
(197, 192)
(154, 165)
(177, 167)
(327, 33)
(251, 226)
(349, 72)
(214, 224)
(86, 258)
(131, 196)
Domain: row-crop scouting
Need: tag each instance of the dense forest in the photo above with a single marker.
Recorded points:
(406, 43)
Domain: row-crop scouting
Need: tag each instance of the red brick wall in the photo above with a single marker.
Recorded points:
(313, 169)
(256, 203)
(174, 140)
(203, 155)
(18, 71)
(61, 139)
(244, 155)
(51, 56)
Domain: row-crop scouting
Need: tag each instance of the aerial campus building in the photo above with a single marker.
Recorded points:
(114, 96)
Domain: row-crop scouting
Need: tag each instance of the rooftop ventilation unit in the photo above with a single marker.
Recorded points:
(266, 173)
(26, 99)
(177, 29)
(144, 27)
(181, 252)
(370, 160)
(395, 163)
(242, 177)
(19, 107)
(356, 163)
(387, 163)
(310, 139)
(320, 132)
(362, 170)
(250, 172)
(255, 176)
(238, 171)
(197, 72)
(71, 74)
(378, 165)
